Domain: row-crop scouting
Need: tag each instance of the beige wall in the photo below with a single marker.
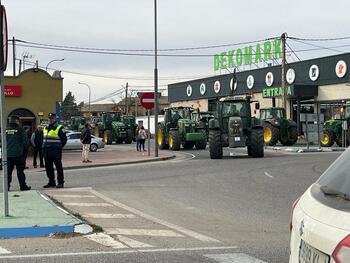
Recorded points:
(333, 92)
(201, 104)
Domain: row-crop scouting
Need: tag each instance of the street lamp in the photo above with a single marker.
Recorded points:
(81, 83)
(53, 61)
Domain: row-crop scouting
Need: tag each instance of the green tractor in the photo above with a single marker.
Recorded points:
(202, 118)
(111, 128)
(332, 129)
(76, 123)
(131, 127)
(234, 127)
(277, 127)
(178, 129)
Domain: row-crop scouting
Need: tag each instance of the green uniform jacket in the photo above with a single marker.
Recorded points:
(17, 141)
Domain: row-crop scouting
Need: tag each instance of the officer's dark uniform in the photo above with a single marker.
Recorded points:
(54, 140)
(17, 141)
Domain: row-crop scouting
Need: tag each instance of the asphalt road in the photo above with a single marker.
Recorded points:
(243, 204)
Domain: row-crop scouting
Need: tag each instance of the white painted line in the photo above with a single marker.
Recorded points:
(72, 196)
(132, 243)
(4, 251)
(109, 216)
(64, 211)
(45, 197)
(117, 252)
(234, 258)
(88, 204)
(269, 175)
(148, 100)
(105, 240)
(142, 232)
(177, 228)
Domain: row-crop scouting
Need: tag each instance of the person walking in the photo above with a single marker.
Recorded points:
(142, 138)
(137, 137)
(54, 140)
(85, 138)
(17, 141)
(37, 142)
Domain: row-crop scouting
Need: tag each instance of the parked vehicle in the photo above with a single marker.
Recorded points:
(277, 127)
(202, 119)
(73, 142)
(235, 127)
(320, 218)
(178, 129)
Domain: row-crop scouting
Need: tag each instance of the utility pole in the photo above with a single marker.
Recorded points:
(136, 105)
(155, 82)
(20, 66)
(14, 55)
(283, 73)
(126, 99)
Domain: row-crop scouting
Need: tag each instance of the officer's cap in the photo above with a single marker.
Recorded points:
(51, 115)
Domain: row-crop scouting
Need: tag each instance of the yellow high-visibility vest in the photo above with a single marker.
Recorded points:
(52, 135)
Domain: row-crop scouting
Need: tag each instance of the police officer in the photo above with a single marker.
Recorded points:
(17, 141)
(54, 140)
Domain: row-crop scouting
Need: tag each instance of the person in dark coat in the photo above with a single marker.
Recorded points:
(37, 142)
(17, 141)
(54, 140)
(85, 138)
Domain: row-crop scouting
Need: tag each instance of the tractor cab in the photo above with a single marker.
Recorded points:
(173, 115)
(272, 113)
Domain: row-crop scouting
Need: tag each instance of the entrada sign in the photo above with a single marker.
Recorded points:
(277, 92)
(269, 50)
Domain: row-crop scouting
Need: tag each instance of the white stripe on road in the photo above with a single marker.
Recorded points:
(4, 251)
(142, 232)
(105, 240)
(109, 216)
(180, 229)
(72, 196)
(132, 243)
(234, 258)
(268, 175)
(116, 252)
(89, 204)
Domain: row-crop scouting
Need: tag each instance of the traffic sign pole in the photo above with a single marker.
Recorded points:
(149, 133)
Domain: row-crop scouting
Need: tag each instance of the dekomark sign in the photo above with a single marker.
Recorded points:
(248, 55)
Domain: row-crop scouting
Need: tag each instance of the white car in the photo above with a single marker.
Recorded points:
(320, 218)
(73, 142)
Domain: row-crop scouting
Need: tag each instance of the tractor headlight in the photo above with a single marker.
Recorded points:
(186, 125)
(276, 122)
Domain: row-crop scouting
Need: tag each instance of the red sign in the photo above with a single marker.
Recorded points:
(13, 91)
(147, 100)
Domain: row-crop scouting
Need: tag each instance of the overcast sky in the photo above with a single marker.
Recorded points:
(129, 24)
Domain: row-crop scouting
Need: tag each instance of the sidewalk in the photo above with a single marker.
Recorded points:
(111, 155)
(32, 214)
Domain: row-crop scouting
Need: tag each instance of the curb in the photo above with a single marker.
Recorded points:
(116, 164)
(304, 149)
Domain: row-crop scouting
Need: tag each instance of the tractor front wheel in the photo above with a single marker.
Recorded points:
(215, 146)
(188, 145)
(271, 134)
(202, 144)
(292, 137)
(107, 137)
(174, 141)
(161, 139)
(327, 139)
(257, 143)
(97, 132)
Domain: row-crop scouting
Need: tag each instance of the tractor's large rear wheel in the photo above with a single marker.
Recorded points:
(202, 144)
(271, 134)
(161, 139)
(128, 138)
(215, 146)
(327, 139)
(174, 141)
(107, 137)
(97, 132)
(292, 137)
(256, 143)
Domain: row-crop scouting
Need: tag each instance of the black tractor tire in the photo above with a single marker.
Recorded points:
(188, 145)
(107, 137)
(293, 137)
(119, 140)
(162, 138)
(215, 146)
(271, 134)
(174, 141)
(257, 143)
(128, 139)
(249, 150)
(327, 139)
(202, 144)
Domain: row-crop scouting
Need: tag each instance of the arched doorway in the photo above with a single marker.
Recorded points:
(27, 119)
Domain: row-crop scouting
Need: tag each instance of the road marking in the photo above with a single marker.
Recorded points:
(117, 252)
(88, 204)
(132, 243)
(234, 258)
(72, 196)
(4, 251)
(142, 232)
(269, 175)
(109, 216)
(177, 228)
(105, 240)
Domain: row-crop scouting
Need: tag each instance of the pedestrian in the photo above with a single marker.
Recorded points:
(37, 142)
(54, 140)
(137, 137)
(85, 138)
(142, 138)
(17, 141)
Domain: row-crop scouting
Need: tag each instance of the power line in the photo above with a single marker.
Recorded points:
(320, 39)
(318, 46)
(293, 51)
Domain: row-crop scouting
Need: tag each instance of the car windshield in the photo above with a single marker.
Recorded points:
(183, 113)
(337, 176)
(233, 109)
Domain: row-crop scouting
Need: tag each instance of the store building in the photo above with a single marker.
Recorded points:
(32, 95)
(318, 85)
